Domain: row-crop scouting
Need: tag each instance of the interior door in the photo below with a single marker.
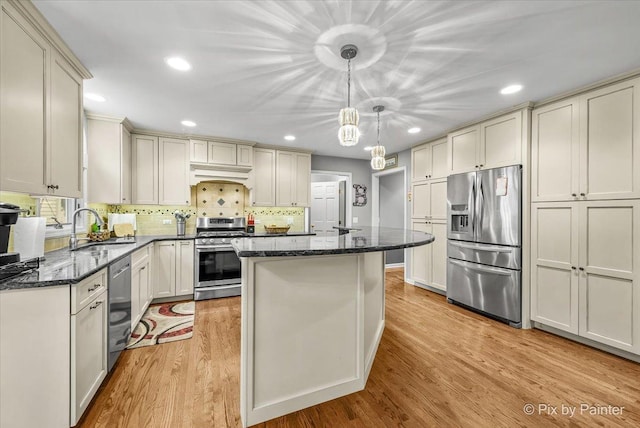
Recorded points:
(499, 206)
(325, 206)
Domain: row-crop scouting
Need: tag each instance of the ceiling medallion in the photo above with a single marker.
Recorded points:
(349, 118)
(378, 152)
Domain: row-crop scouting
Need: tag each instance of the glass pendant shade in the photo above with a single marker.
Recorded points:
(349, 116)
(378, 151)
(377, 163)
(348, 135)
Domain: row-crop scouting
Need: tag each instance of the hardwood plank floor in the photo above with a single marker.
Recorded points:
(437, 365)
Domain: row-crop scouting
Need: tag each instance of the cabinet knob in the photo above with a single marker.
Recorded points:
(143, 268)
(573, 267)
(476, 166)
(582, 269)
(574, 195)
(582, 194)
(481, 165)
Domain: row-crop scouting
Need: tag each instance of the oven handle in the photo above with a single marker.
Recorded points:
(214, 249)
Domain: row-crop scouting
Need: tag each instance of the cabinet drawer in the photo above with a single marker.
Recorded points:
(140, 255)
(84, 292)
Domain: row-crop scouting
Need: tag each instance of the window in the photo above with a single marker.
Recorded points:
(58, 212)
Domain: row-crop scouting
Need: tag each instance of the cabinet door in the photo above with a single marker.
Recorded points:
(609, 273)
(462, 150)
(438, 250)
(222, 153)
(104, 155)
(501, 141)
(88, 354)
(438, 199)
(554, 262)
(145, 283)
(24, 56)
(125, 166)
(419, 255)
(554, 151)
(199, 151)
(421, 162)
(173, 168)
(610, 142)
(285, 178)
(438, 159)
(302, 179)
(244, 156)
(165, 269)
(65, 151)
(263, 193)
(144, 171)
(135, 295)
(151, 276)
(421, 200)
(184, 267)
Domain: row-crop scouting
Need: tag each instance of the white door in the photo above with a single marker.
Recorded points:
(325, 204)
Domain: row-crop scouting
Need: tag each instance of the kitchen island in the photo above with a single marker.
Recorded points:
(312, 316)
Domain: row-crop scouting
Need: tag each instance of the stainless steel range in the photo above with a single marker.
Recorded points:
(217, 266)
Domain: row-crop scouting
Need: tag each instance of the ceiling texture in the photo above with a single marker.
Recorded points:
(266, 69)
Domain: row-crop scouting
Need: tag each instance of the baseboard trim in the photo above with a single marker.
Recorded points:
(429, 288)
(394, 265)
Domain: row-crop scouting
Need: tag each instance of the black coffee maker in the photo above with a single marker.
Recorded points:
(8, 216)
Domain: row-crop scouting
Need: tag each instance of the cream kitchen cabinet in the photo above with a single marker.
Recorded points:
(173, 169)
(109, 157)
(44, 157)
(490, 144)
(263, 193)
(586, 269)
(588, 147)
(221, 153)
(89, 345)
(429, 200)
(173, 268)
(141, 283)
(429, 161)
(429, 262)
(144, 169)
(293, 178)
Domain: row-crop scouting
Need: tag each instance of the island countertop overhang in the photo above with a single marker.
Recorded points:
(361, 240)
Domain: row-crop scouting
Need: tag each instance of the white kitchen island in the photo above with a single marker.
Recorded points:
(312, 316)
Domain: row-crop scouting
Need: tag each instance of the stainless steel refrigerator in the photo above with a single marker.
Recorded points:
(484, 231)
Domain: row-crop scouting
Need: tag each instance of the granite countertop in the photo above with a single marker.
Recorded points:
(272, 235)
(360, 240)
(68, 267)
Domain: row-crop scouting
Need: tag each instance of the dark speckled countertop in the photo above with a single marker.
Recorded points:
(360, 240)
(68, 267)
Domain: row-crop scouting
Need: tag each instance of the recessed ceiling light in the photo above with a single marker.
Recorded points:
(368, 148)
(511, 89)
(189, 123)
(178, 63)
(289, 137)
(414, 130)
(95, 97)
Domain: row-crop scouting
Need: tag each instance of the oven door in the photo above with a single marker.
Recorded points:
(217, 266)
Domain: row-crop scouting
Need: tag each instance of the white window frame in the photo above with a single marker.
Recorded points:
(72, 205)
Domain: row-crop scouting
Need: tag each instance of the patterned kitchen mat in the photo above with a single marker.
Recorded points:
(164, 322)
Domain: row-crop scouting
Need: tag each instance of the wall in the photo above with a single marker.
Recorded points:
(392, 198)
(361, 174)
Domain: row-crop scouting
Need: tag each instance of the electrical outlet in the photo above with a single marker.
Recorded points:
(355, 220)
(257, 221)
(166, 221)
(289, 220)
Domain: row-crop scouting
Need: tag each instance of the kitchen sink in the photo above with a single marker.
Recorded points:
(105, 245)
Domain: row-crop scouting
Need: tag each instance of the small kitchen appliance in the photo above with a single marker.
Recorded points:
(217, 267)
(8, 216)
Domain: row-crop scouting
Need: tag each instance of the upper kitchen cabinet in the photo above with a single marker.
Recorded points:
(40, 85)
(263, 193)
(429, 161)
(109, 157)
(173, 184)
(221, 154)
(144, 169)
(490, 144)
(293, 179)
(588, 147)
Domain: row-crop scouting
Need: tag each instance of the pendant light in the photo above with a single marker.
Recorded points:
(349, 118)
(378, 152)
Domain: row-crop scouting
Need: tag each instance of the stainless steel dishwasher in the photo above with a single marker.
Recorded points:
(119, 308)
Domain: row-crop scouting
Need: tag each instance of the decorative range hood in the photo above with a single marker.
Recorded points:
(233, 174)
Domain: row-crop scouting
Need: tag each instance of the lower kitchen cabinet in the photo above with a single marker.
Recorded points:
(585, 275)
(429, 262)
(174, 268)
(89, 348)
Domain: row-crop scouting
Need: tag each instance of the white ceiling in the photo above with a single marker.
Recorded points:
(264, 69)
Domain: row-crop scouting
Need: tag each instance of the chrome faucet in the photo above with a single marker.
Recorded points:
(73, 240)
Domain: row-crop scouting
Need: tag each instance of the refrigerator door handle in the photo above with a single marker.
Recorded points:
(472, 209)
(481, 268)
(480, 207)
(493, 249)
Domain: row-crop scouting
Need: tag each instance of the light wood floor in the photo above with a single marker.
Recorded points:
(437, 365)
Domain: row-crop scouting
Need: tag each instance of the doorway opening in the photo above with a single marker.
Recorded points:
(389, 207)
(330, 194)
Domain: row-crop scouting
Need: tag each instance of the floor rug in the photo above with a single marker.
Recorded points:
(162, 323)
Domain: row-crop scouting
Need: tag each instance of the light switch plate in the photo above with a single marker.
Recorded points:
(355, 220)
(289, 220)
(166, 221)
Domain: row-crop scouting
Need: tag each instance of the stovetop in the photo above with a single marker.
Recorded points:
(221, 234)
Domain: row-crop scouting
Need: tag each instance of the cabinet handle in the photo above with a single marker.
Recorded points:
(95, 287)
(574, 195)
(96, 305)
(582, 194)
(573, 267)
(476, 166)
(143, 268)
(582, 269)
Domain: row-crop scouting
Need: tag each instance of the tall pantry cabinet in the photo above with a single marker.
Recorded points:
(586, 215)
